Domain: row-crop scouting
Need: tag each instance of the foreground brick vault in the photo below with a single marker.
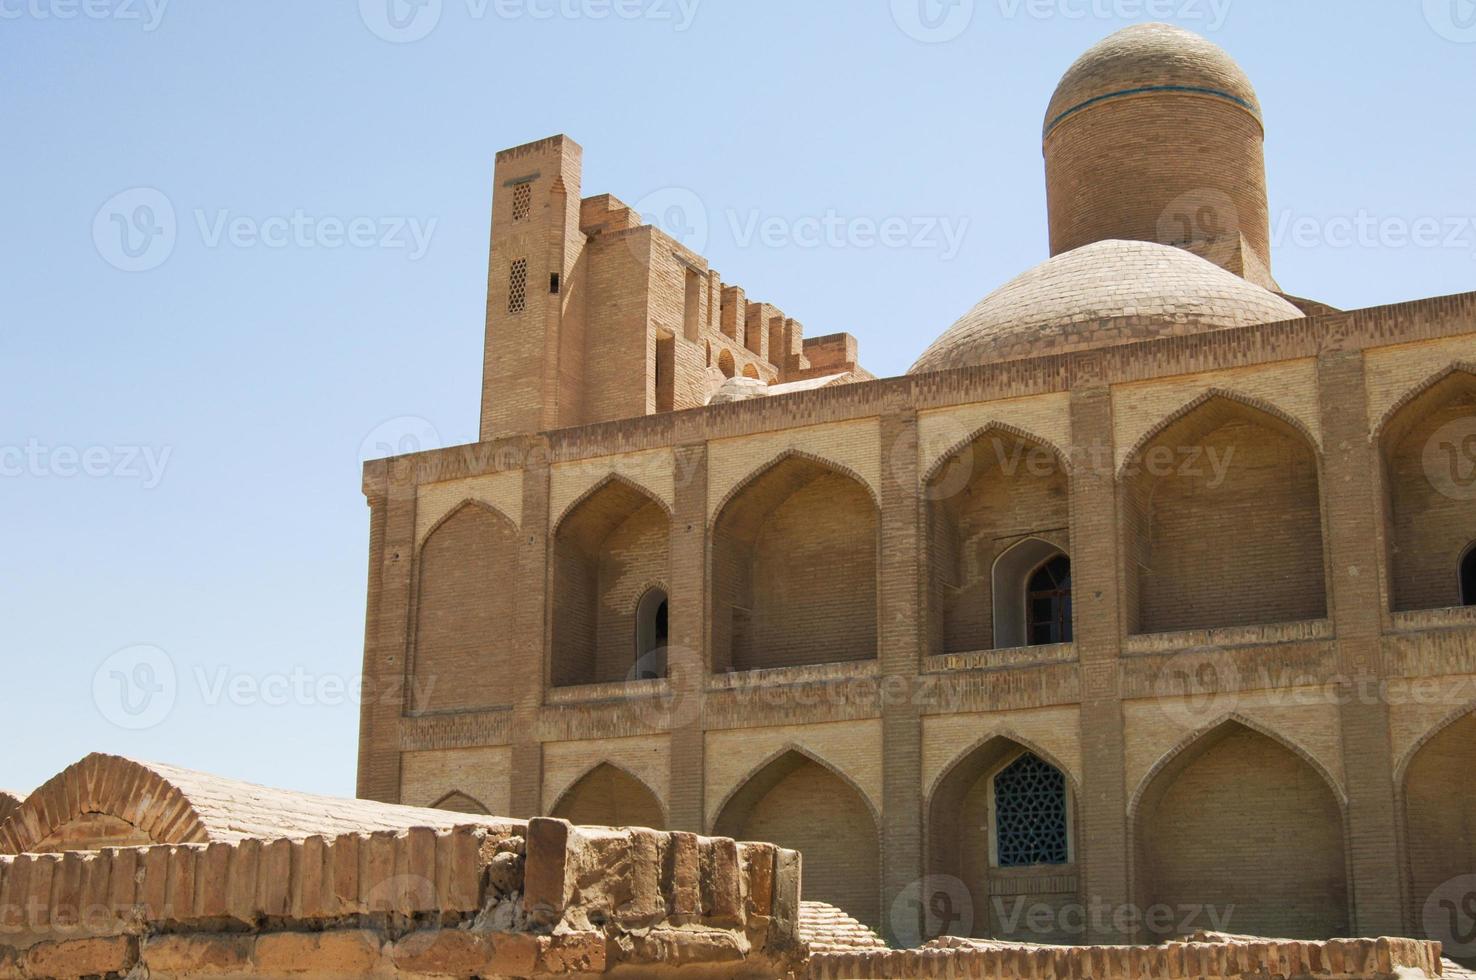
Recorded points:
(1135, 619)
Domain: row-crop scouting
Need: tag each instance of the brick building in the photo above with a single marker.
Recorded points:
(1145, 589)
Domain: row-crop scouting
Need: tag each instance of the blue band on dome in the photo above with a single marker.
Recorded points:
(1196, 90)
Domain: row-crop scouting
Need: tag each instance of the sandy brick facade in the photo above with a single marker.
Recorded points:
(1258, 699)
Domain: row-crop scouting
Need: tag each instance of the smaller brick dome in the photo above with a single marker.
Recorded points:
(1106, 293)
(1148, 58)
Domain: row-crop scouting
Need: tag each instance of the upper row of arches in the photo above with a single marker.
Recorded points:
(1219, 513)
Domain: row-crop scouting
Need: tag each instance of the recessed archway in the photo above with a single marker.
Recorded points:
(463, 650)
(1439, 813)
(608, 796)
(1428, 448)
(1244, 832)
(1222, 521)
(794, 568)
(998, 506)
(608, 549)
(968, 820)
(798, 802)
(459, 802)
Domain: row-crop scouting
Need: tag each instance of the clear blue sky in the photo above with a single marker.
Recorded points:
(181, 445)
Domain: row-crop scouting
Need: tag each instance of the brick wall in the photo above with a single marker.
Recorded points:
(1242, 825)
(462, 648)
(610, 797)
(798, 803)
(1440, 816)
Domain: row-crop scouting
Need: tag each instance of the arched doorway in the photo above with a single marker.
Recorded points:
(1439, 798)
(998, 508)
(607, 550)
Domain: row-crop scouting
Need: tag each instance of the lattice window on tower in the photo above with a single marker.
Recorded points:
(1030, 821)
(517, 287)
(522, 201)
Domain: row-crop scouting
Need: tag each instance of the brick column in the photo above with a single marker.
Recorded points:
(526, 791)
(899, 647)
(1351, 510)
(687, 594)
(1101, 831)
(389, 486)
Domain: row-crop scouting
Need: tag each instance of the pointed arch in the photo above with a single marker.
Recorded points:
(1196, 422)
(1239, 815)
(474, 502)
(1385, 431)
(599, 486)
(797, 800)
(609, 795)
(793, 552)
(1221, 508)
(608, 545)
(994, 427)
(1425, 446)
(461, 650)
(959, 833)
(458, 802)
(992, 491)
(1436, 804)
(789, 455)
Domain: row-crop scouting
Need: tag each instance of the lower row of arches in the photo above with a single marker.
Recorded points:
(1237, 831)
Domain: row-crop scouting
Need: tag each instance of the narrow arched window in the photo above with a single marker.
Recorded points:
(1049, 602)
(652, 635)
(1031, 825)
(1468, 577)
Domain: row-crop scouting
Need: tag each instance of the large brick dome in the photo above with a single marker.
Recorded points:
(1155, 135)
(1106, 293)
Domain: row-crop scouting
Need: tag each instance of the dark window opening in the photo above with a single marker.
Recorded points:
(553, 283)
(1048, 601)
(1468, 577)
(652, 637)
